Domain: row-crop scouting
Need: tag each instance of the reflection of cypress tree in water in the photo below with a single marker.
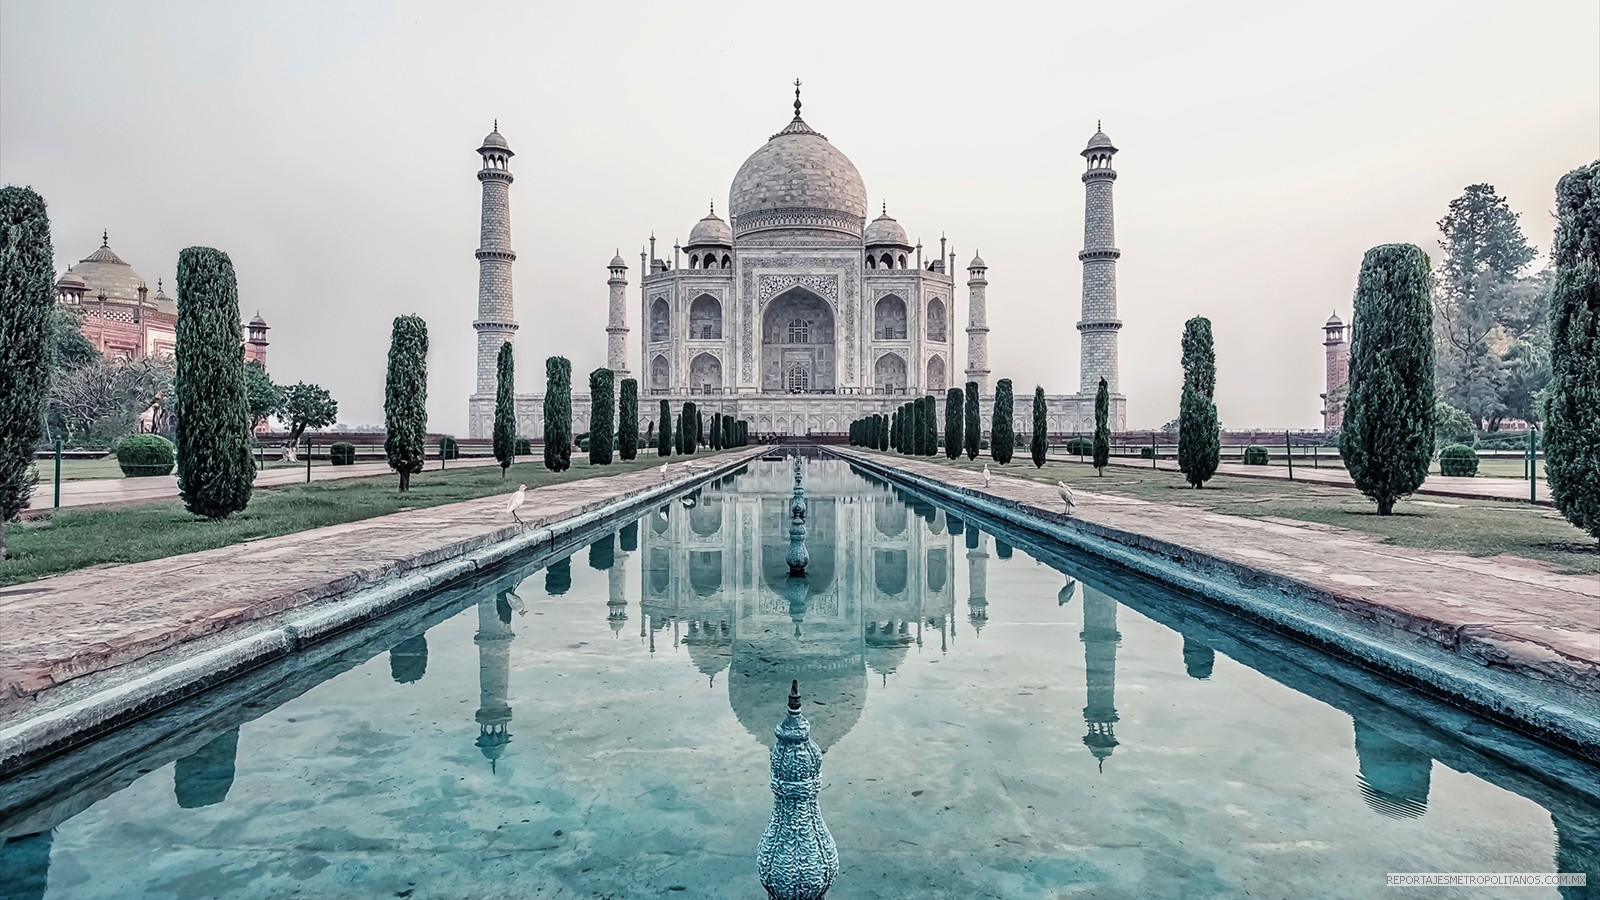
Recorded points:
(203, 777)
(1100, 639)
(602, 553)
(1198, 659)
(1064, 596)
(628, 537)
(1578, 850)
(1394, 777)
(1002, 550)
(408, 660)
(558, 578)
(25, 865)
(494, 676)
(977, 580)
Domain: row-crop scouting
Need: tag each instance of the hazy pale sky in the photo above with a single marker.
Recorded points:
(329, 148)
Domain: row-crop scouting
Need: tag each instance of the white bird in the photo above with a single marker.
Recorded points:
(1066, 495)
(663, 471)
(985, 474)
(516, 502)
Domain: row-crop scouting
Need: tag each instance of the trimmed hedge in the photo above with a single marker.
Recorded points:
(1256, 456)
(146, 455)
(522, 447)
(1458, 460)
(342, 453)
(1080, 446)
(448, 448)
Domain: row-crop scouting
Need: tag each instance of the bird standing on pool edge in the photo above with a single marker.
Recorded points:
(1066, 495)
(663, 471)
(516, 501)
(985, 474)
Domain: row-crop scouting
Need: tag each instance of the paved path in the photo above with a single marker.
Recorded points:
(67, 626)
(1437, 485)
(1504, 612)
(90, 492)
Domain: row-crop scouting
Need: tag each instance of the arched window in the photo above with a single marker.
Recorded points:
(890, 319)
(936, 326)
(694, 260)
(889, 374)
(705, 319)
(936, 374)
(937, 562)
(798, 379)
(659, 370)
(727, 261)
(705, 374)
(872, 262)
(902, 261)
(660, 320)
(799, 331)
(887, 261)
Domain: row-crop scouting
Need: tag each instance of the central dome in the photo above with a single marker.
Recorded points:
(797, 179)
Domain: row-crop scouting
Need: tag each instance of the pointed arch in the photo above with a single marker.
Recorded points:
(705, 374)
(660, 373)
(889, 319)
(936, 375)
(705, 319)
(660, 320)
(889, 373)
(937, 328)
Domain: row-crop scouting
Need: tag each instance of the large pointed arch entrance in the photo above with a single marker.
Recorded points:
(797, 344)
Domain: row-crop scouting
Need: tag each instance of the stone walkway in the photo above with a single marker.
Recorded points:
(1506, 613)
(94, 491)
(67, 626)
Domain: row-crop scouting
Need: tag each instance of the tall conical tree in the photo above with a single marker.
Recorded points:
(954, 418)
(1002, 437)
(664, 431)
(1039, 445)
(602, 416)
(27, 308)
(505, 411)
(1199, 433)
(405, 398)
(558, 414)
(628, 420)
(691, 426)
(972, 428)
(1387, 438)
(1102, 428)
(930, 422)
(1572, 400)
(215, 471)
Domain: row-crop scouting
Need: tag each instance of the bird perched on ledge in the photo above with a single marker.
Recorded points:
(663, 471)
(1066, 495)
(516, 502)
(985, 474)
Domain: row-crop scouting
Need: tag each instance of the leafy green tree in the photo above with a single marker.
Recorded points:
(1002, 440)
(972, 428)
(1102, 428)
(1387, 438)
(1199, 432)
(558, 414)
(665, 432)
(263, 398)
(628, 420)
(602, 416)
(405, 398)
(1451, 425)
(1527, 374)
(307, 406)
(215, 469)
(1572, 400)
(1039, 445)
(505, 408)
(27, 297)
(71, 347)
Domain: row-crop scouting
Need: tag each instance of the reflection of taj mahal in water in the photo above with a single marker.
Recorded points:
(797, 313)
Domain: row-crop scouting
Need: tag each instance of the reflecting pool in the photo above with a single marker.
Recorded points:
(1000, 720)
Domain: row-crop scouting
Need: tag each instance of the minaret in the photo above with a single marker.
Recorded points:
(1337, 355)
(617, 324)
(977, 580)
(494, 675)
(977, 324)
(1100, 639)
(497, 319)
(1098, 327)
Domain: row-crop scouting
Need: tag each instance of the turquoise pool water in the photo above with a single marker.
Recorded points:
(996, 724)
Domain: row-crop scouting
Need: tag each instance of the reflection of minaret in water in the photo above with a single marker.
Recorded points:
(616, 595)
(203, 777)
(494, 675)
(1394, 777)
(25, 863)
(1100, 639)
(1578, 850)
(977, 580)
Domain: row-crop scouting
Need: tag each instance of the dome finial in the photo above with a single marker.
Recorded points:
(497, 126)
(105, 238)
(1097, 126)
(797, 98)
(713, 207)
(886, 207)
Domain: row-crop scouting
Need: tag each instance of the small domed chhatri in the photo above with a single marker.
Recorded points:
(710, 231)
(885, 231)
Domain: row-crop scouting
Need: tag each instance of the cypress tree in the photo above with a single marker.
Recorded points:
(27, 336)
(558, 413)
(972, 428)
(405, 398)
(1102, 428)
(505, 419)
(1572, 400)
(691, 426)
(954, 400)
(930, 422)
(602, 416)
(664, 432)
(1199, 434)
(1039, 446)
(894, 430)
(1387, 439)
(628, 420)
(700, 428)
(883, 431)
(729, 438)
(1002, 436)
(215, 471)
(914, 428)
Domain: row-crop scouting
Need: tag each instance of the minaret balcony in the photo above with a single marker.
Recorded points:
(1110, 253)
(503, 255)
(495, 175)
(1099, 175)
(1100, 326)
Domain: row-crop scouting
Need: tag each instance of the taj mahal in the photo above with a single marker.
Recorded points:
(797, 313)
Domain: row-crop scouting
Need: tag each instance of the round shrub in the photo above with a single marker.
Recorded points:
(1256, 456)
(1459, 460)
(1146, 452)
(522, 447)
(342, 453)
(1080, 446)
(144, 455)
(448, 448)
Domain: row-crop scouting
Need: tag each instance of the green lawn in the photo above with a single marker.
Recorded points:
(87, 469)
(1329, 459)
(1473, 527)
(70, 539)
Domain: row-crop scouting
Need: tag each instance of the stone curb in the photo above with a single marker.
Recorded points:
(346, 601)
(1554, 697)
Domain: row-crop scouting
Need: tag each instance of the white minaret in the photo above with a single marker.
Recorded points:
(617, 324)
(978, 324)
(1097, 329)
(497, 318)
